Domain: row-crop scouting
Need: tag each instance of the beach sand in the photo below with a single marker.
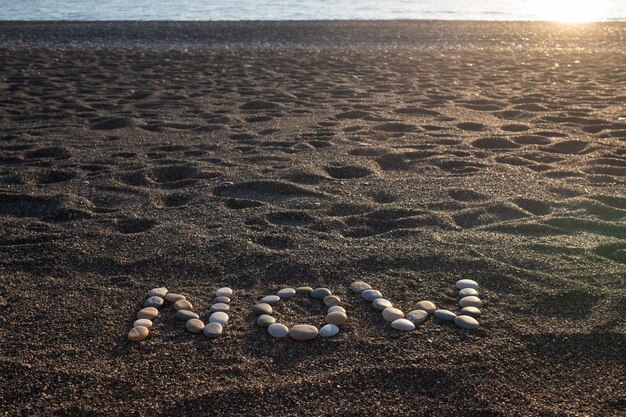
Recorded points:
(269, 155)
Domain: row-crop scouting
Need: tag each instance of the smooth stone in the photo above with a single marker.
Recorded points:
(465, 292)
(194, 325)
(270, 299)
(337, 318)
(154, 301)
(427, 306)
(467, 322)
(391, 314)
(286, 293)
(147, 313)
(212, 330)
(360, 286)
(470, 301)
(336, 308)
(329, 330)
(417, 316)
(332, 300)
(262, 308)
(143, 322)
(466, 283)
(320, 293)
(186, 315)
(132, 216)
(278, 330)
(137, 334)
(219, 317)
(381, 304)
(371, 295)
(471, 311)
(403, 324)
(442, 314)
(264, 320)
(304, 290)
(159, 292)
(172, 297)
(303, 332)
(219, 307)
(183, 305)
(221, 299)
(224, 292)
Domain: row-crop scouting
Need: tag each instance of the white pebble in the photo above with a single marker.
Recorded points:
(278, 330)
(270, 299)
(442, 314)
(471, 311)
(329, 330)
(303, 332)
(143, 322)
(381, 304)
(154, 301)
(470, 301)
(159, 292)
(417, 316)
(466, 322)
(219, 307)
(224, 292)
(403, 324)
(360, 286)
(391, 314)
(371, 295)
(467, 292)
(219, 317)
(212, 330)
(466, 283)
(186, 315)
(194, 325)
(319, 294)
(336, 308)
(265, 320)
(286, 293)
(427, 306)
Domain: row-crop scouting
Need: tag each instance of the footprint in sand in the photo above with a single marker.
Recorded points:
(348, 171)
(55, 152)
(466, 195)
(62, 207)
(110, 123)
(572, 147)
(177, 199)
(139, 225)
(471, 126)
(352, 115)
(259, 105)
(515, 128)
(531, 140)
(395, 127)
(265, 190)
(495, 143)
(241, 203)
(48, 177)
(417, 111)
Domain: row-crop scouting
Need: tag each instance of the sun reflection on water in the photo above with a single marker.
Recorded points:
(568, 11)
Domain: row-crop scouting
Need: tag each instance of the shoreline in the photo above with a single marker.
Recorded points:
(324, 34)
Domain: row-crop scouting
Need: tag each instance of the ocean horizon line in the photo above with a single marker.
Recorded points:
(612, 20)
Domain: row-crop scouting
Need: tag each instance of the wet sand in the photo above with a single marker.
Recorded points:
(269, 155)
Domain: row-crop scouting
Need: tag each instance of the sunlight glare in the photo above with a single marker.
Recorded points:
(569, 11)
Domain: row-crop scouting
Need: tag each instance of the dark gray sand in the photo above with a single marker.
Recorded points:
(260, 156)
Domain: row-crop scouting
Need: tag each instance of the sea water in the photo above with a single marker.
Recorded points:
(565, 10)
